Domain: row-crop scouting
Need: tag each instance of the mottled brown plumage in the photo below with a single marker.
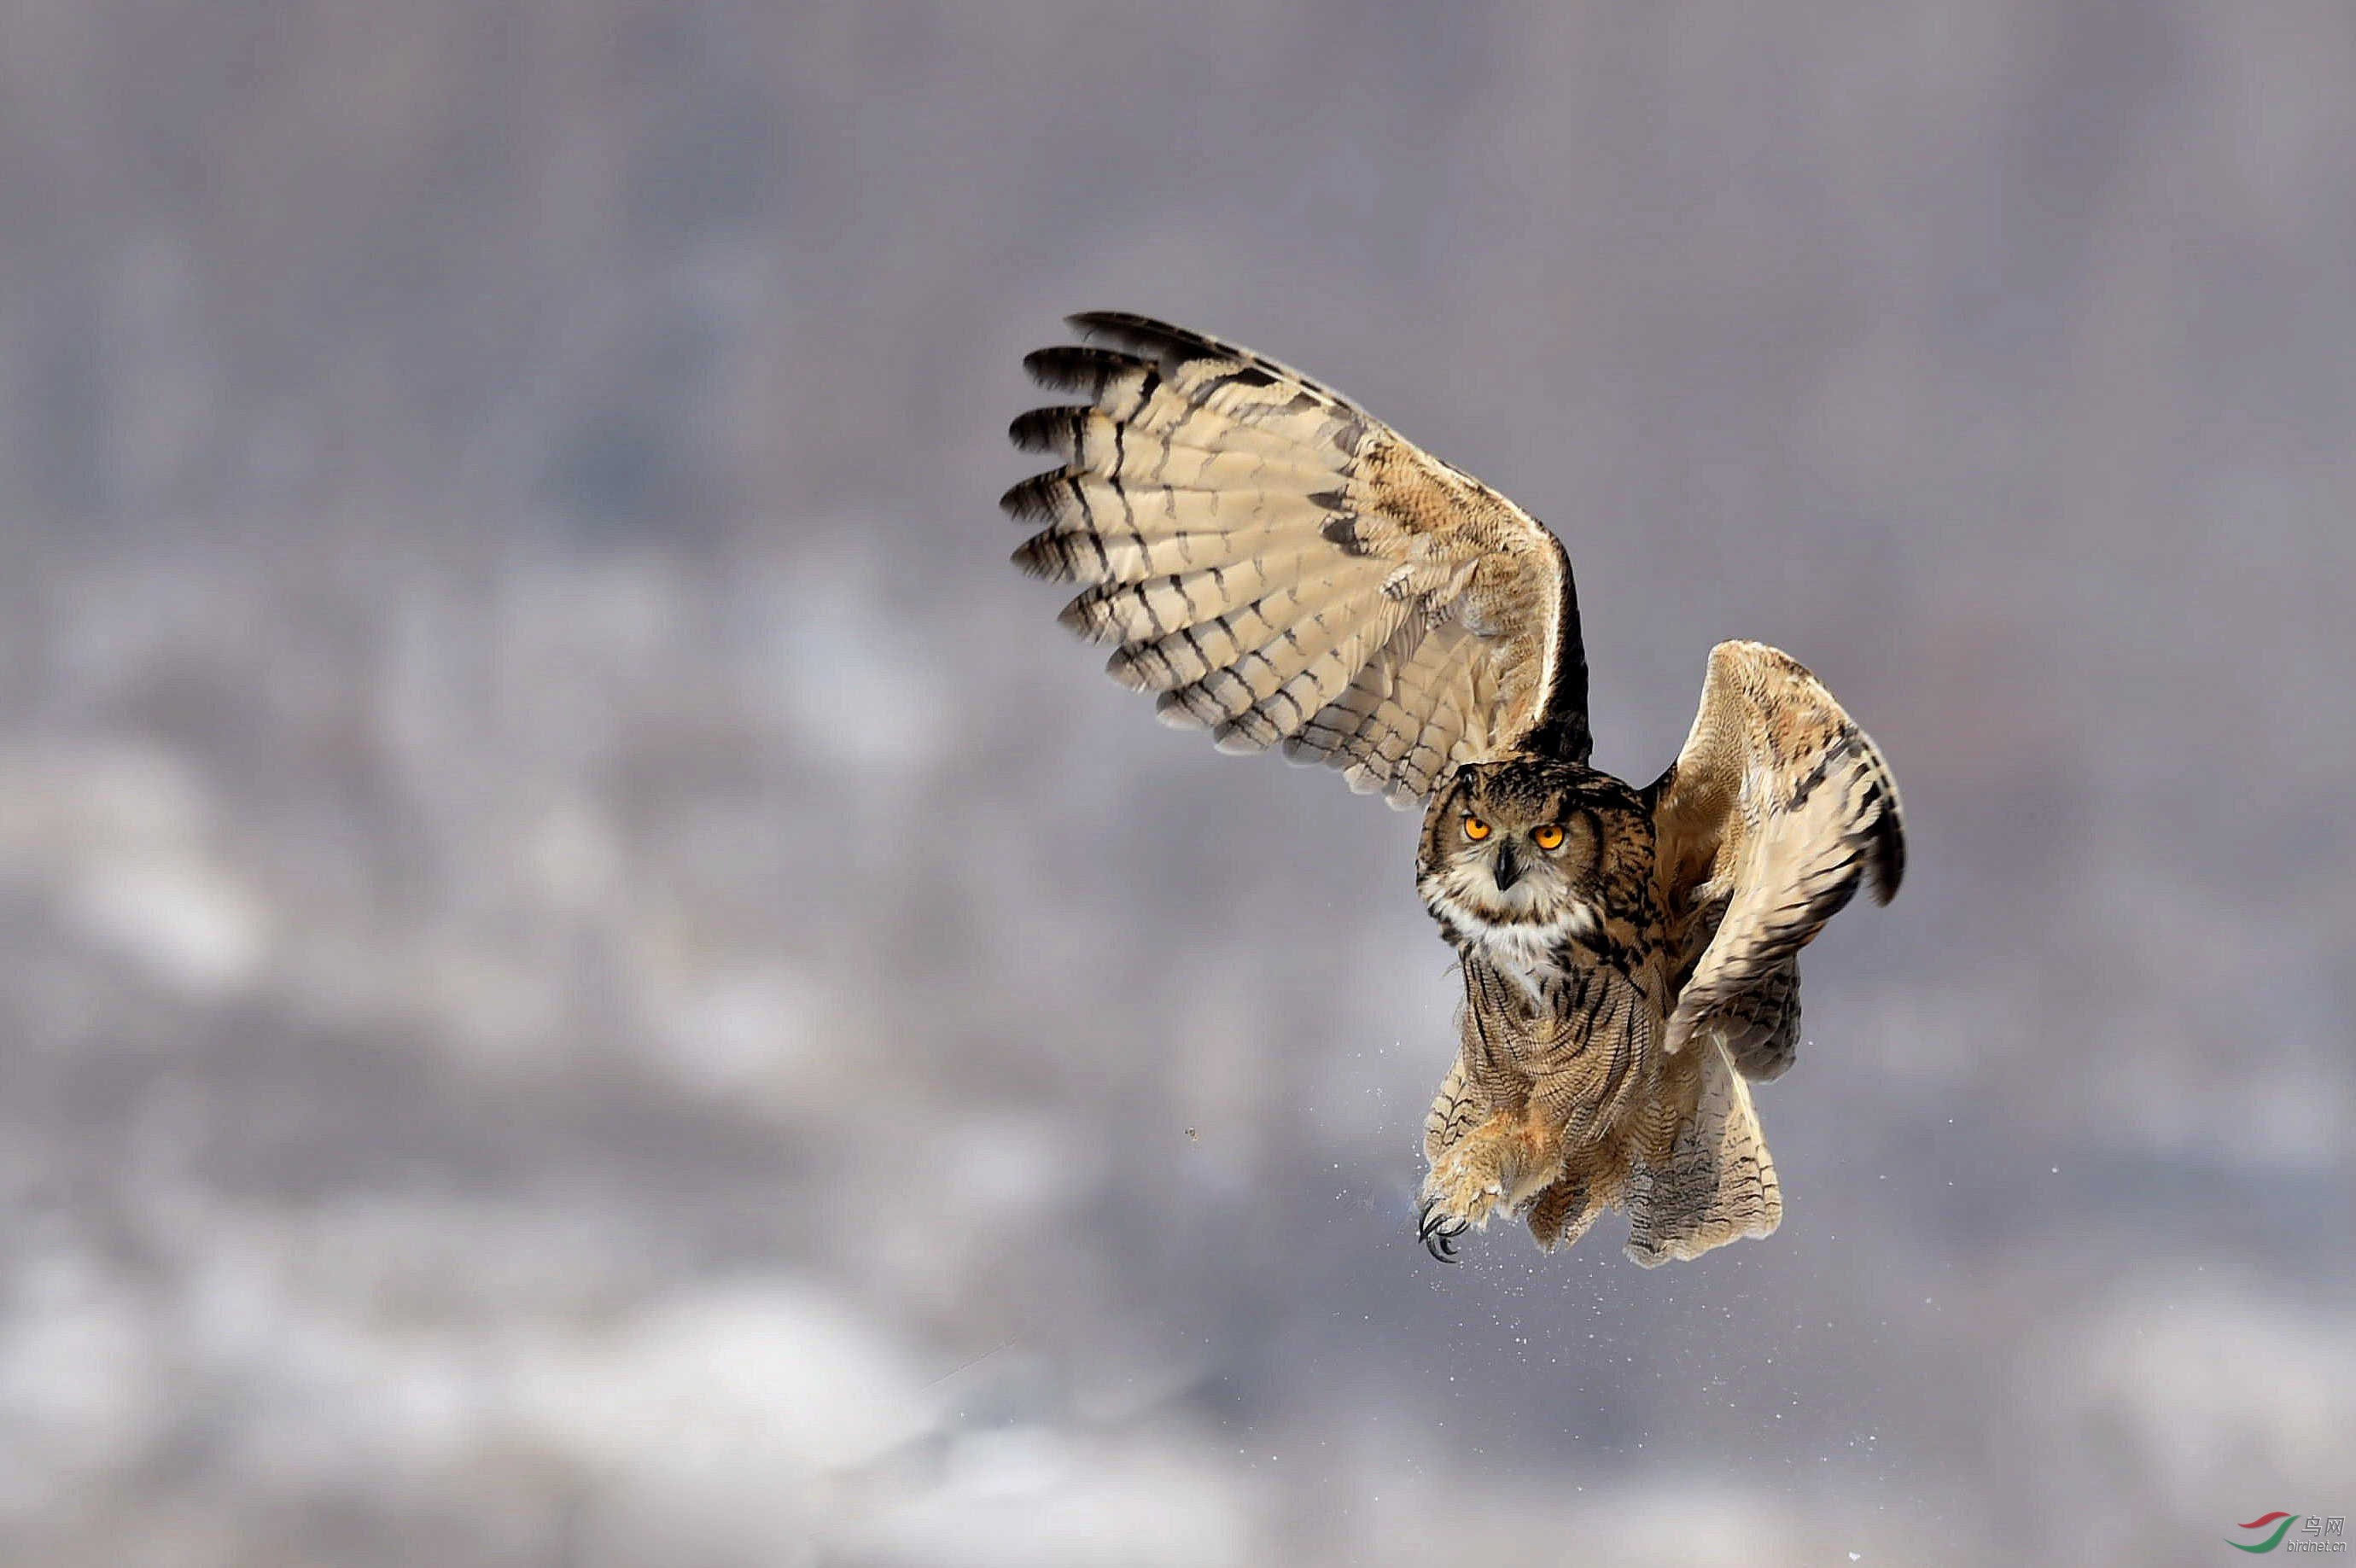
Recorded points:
(1566, 1100)
(1284, 570)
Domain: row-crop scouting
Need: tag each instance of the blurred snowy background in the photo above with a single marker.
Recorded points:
(587, 979)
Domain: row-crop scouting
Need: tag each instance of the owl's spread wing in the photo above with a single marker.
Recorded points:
(1284, 569)
(1776, 809)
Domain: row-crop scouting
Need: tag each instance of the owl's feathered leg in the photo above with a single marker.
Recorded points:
(1455, 1112)
(1490, 1145)
(1499, 1165)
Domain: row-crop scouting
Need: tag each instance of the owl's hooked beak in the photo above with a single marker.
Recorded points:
(1506, 867)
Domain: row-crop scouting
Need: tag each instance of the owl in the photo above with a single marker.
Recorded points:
(1285, 572)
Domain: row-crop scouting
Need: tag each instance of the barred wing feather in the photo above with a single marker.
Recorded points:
(1284, 570)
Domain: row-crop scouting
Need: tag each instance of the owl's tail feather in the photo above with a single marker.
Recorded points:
(1712, 1183)
(1562, 1213)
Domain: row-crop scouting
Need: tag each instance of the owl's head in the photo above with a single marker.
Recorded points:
(1530, 843)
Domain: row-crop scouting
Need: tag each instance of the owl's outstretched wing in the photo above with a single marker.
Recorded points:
(1775, 811)
(1284, 569)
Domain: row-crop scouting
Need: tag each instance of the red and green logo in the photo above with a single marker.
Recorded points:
(2280, 1520)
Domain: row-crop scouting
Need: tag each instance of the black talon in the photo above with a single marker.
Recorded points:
(1438, 1230)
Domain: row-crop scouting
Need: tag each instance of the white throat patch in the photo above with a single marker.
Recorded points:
(1528, 952)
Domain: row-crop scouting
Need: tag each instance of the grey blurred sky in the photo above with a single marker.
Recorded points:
(586, 978)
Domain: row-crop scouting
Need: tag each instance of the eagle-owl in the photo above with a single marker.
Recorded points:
(1285, 571)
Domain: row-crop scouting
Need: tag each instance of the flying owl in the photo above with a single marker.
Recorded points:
(1285, 571)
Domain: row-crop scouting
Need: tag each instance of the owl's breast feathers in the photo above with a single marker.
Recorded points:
(1579, 1050)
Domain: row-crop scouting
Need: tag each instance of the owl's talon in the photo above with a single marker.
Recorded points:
(1438, 1230)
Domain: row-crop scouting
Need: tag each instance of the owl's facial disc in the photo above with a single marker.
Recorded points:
(1511, 879)
(1513, 850)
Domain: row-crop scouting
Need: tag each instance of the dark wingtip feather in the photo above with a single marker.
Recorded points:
(1044, 556)
(1122, 323)
(1085, 616)
(1187, 708)
(1167, 346)
(1035, 499)
(1044, 430)
(1888, 861)
(1074, 367)
(1145, 335)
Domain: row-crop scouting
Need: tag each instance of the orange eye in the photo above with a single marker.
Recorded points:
(1548, 837)
(1474, 829)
